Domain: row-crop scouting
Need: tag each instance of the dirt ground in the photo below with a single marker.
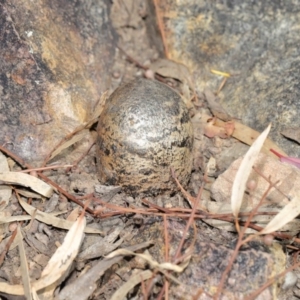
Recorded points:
(134, 54)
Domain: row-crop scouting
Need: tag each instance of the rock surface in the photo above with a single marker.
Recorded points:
(54, 68)
(256, 41)
(255, 263)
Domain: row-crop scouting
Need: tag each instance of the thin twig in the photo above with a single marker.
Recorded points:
(7, 246)
(46, 168)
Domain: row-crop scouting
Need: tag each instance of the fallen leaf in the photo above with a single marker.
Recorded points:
(24, 265)
(77, 289)
(5, 191)
(51, 219)
(60, 263)
(134, 280)
(242, 175)
(246, 135)
(26, 180)
(287, 214)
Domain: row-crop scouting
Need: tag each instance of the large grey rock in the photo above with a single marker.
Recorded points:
(257, 41)
(54, 61)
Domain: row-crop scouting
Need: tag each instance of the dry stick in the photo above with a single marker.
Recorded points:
(239, 244)
(190, 221)
(65, 193)
(157, 207)
(224, 217)
(16, 158)
(160, 26)
(165, 289)
(7, 246)
(173, 212)
(268, 180)
(66, 138)
(190, 199)
(132, 60)
(167, 241)
(139, 65)
(80, 158)
(45, 178)
(46, 168)
(222, 85)
(177, 258)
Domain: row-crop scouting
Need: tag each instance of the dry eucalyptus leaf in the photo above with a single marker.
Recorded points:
(60, 263)
(24, 265)
(242, 175)
(102, 246)
(28, 194)
(130, 284)
(8, 219)
(5, 191)
(286, 215)
(51, 219)
(9, 289)
(72, 217)
(4, 215)
(287, 176)
(55, 271)
(26, 180)
(77, 289)
(246, 135)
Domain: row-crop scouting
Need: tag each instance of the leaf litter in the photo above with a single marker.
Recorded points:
(59, 265)
(53, 274)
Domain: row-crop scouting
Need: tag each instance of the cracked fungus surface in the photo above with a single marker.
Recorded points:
(143, 131)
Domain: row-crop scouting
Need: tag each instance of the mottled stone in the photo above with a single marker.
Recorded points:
(143, 131)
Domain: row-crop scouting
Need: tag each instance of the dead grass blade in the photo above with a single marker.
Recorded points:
(26, 180)
(130, 284)
(242, 175)
(5, 191)
(51, 219)
(28, 194)
(97, 109)
(147, 257)
(60, 263)
(76, 138)
(287, 214)
(6, 288)
(24, 265)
